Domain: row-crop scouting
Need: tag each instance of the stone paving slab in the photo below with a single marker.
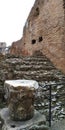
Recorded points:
(37, 122)
(58, 125)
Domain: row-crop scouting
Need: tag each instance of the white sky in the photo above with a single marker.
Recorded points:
(13, 15)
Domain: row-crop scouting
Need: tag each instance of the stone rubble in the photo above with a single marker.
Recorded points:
(15, 67)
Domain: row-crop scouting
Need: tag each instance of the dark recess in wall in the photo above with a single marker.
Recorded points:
(33, 41)
(40, 39)
(37, 12)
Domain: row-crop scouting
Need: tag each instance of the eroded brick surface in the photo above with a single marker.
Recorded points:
(45, 31)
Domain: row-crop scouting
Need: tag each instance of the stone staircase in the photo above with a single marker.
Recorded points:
(39, 68)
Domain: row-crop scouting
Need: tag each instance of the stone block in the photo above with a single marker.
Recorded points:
(20, 95)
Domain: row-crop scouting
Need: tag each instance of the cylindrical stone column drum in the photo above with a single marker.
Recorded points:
(20, 96)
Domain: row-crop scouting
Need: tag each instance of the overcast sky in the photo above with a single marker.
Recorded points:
(13, 15)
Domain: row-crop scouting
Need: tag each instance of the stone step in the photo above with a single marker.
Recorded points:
(36, 67)
(28, 62)
(24, 65)
(30, 66)
(35, 75)
(36, 62)
(38, 72)
(36, 59)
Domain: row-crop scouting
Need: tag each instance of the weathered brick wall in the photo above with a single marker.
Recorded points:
(44, 30)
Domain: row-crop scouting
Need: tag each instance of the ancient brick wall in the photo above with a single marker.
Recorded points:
(44, 30)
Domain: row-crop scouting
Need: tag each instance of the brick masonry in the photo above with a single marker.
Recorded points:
(45, 31)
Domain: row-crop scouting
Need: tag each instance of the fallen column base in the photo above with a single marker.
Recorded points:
(36, 123)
